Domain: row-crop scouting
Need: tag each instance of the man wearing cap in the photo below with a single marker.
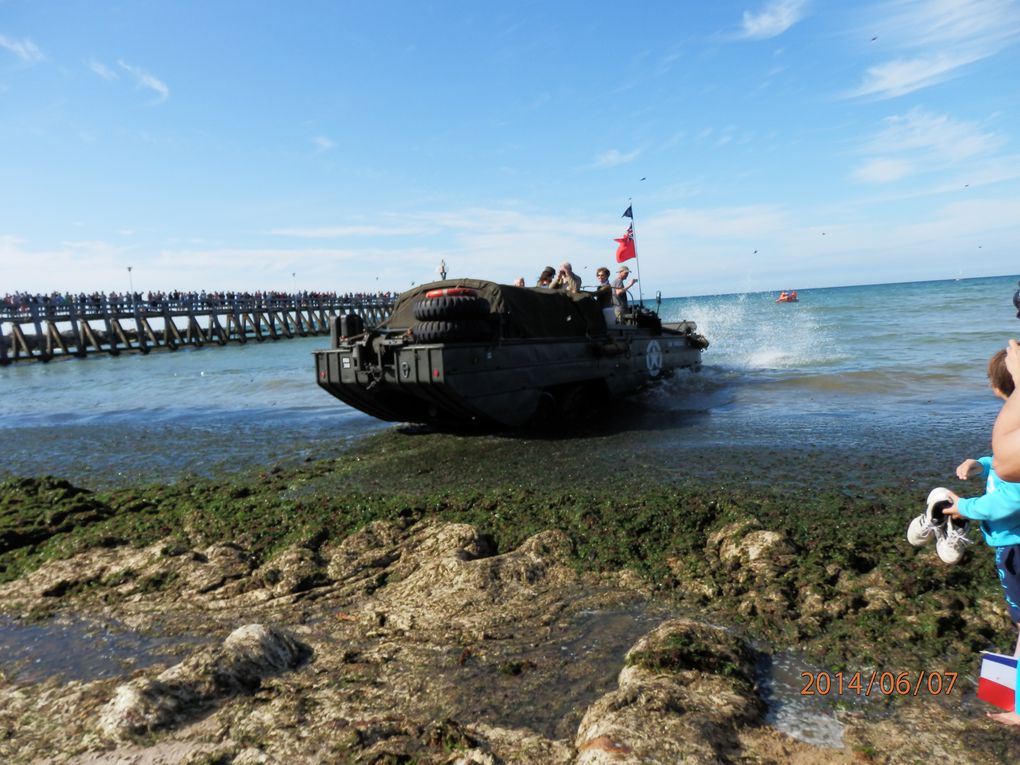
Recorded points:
(620, 289)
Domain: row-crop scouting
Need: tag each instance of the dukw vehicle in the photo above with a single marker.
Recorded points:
(467, 352)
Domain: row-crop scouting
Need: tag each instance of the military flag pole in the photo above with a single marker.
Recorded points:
(632, 253)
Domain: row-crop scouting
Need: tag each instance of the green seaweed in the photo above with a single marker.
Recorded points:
(849, 546)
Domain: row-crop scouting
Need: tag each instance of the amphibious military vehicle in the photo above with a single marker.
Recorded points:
(468, 352)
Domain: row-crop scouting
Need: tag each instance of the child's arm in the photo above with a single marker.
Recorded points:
(970, 468)
(1001, 503)
(1006, 433)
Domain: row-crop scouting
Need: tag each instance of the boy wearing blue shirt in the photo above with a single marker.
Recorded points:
(998, 509)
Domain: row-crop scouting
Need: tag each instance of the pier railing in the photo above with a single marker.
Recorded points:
(45, 330)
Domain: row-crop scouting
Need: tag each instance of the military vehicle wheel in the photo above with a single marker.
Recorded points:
(451, 331)
(574, 403)
(450, 307)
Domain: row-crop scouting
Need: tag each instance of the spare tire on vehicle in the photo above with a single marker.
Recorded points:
(451, 331)
(451, 307)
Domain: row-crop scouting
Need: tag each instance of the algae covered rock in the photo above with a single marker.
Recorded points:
(296, 569)
(249, 654)
(685, 690)
(35, 509)
(744, 544)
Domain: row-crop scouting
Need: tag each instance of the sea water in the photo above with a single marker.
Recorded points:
(888, 377)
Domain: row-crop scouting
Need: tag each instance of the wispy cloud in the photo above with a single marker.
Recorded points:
(145, 80)
(102, 70)
(882, 170)
(341, 232)
(25, 49)
(902, 76)
(725, 222)
(772, 20)
(538, 102)
(613, 158)
(921, 141)
(936, 39)
(322, 143)
(937, 135)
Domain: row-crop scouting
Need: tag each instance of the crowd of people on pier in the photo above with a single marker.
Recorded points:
(20, 303)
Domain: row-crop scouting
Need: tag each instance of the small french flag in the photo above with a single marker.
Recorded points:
(997, 684)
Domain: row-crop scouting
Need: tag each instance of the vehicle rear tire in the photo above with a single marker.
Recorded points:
(574, 403)
(450, 307)
(451, 331)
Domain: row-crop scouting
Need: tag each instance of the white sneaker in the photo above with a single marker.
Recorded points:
(930, 523)
(952, 546)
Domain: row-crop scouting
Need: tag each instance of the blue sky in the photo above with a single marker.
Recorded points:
(352, 146)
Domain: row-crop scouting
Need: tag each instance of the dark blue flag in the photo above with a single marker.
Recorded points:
(628, 213)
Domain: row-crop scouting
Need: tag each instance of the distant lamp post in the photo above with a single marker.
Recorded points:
(293, 276)
(131, 282)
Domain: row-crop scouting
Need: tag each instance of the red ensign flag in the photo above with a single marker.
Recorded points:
(626, 249)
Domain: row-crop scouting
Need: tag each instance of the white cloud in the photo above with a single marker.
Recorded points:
(935, 39)
(717, 223)
(145, 80)
(902, 76)
(538, 102)
(882, 170)
(972, 221)
(102, 70)
(339, 232)
(70, 266)
(772, 20)
(612, 158)
(986, 24)
(683, 250)
(25, 49)
(937, 135)
(946, 138)
(924, 142)
(322, 143)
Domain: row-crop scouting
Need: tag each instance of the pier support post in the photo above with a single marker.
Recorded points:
(79, 341)
(4, 361)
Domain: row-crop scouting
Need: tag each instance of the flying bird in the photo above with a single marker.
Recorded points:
(874, 38)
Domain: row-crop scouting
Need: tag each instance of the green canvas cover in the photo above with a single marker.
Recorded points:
(525, 312)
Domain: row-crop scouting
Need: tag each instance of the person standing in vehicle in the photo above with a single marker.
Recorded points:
(603, 290)
(620, 289)
(546, 277)
(567, 280)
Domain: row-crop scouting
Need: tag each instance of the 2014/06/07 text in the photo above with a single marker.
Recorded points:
(878, 682)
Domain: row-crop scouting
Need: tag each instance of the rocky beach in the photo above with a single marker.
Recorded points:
(406, 603)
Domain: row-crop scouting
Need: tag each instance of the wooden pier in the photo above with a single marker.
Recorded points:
(46, 330)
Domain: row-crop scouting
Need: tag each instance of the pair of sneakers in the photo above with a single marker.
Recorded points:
(950, 534)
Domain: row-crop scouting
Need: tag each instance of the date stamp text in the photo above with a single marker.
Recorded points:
(877, 683)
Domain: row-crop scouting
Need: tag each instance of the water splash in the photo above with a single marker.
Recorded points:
(749, 332)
